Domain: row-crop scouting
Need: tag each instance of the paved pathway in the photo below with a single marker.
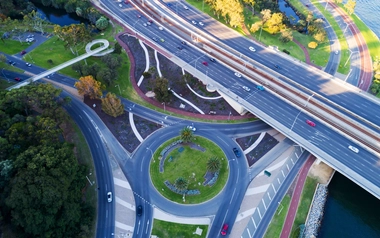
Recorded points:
(287, 228)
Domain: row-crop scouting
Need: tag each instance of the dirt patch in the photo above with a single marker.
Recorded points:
(265, 145)
(322, 172)
(121, 128)
(177, 82)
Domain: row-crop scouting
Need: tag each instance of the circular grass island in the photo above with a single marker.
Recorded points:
(189, 173)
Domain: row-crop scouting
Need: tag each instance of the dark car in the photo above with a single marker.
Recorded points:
(23, 52)
(155, 39)
(212, 60)
(17, 79)
(224, 230)
(237, 152)
(179, 47)
(139, 210)
(277, 66)
(11, 62)
(183, 43)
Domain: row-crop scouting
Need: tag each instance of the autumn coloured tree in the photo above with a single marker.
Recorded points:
(112, 105)
(88, 86)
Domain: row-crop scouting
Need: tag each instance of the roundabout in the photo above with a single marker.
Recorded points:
(200, 165)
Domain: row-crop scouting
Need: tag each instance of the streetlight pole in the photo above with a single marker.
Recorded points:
(229, 115)
(349, 57)
(164, 106)
(117, 85)
(327, 3)
(282, 207)
(2, 71)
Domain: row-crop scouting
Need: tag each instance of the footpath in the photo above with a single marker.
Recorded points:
(287, 228)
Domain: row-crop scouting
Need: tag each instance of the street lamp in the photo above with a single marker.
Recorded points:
(2, 71)
(229, 115)
(164, 106)
(349, 57)
(117, 85)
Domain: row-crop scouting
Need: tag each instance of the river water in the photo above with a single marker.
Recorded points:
(368, 11)
(350, 210)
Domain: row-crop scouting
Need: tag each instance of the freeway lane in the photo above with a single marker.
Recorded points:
(311, 78)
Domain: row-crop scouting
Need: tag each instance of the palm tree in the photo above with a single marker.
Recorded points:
(181, 183)
(213, 165)
(186, 135)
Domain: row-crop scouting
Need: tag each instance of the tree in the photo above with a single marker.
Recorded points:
(265, 16)
(274, 24)
(320, 36)
(88, 86)
(45, 197)
(101, 23)
(3, 58)
(161, 89)
(186, 135)
(112, 61)
(112, 105)
(312, 45)
(256, 26)
(181, 183)
(35, 21)
(286, 35)
(350, 6)
(74, 36)
(213, 165)
(105, 75)
(117, 48)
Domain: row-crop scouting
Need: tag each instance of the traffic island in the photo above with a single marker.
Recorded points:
(189, 173)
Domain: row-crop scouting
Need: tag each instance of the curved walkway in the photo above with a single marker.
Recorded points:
(203, 97)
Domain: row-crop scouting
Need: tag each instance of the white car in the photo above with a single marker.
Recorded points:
(161, 28)
(119, 0)
(252, 49)
(246, 88)
(186, 7)
(120, 5)
(109, 197)
(336, 52)
(238, 75)
(191, 128)
(28, 64)
(354, 149)
(201, 23)
(194, 22)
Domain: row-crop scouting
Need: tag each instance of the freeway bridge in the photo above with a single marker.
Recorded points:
(345, 115)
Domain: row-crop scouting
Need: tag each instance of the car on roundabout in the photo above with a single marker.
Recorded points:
(236, 152)
(191, 128)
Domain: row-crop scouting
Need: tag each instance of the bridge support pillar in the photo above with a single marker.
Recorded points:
(318, 161)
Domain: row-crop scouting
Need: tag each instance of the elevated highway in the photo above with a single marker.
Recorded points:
(287, 102)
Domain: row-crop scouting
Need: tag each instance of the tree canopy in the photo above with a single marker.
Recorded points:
(88, 86)
(112, 105)
(41, 181)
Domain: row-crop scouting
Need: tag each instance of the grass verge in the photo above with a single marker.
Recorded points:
(303, 207)
(169, 229)
(191, 165)
(278, 220)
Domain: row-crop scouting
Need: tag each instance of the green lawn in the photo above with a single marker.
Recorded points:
(12, 47)
(4, 83)
(278, 220)
(304, 205)
(186, 163)
(164, 229)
